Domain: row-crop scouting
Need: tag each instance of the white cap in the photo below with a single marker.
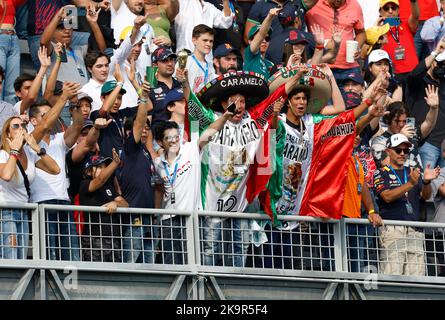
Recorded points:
(440, 57)
(377, 55)
(396, 140)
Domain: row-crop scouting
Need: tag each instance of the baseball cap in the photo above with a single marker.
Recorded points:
(255, 29)
(378, 55)
(296, 36)
(374, 33)
(83, 95)
(109, 86)
(354, 76)
(225, 49)
(287, 15)
(396, 140)
(162, 53)
(172, 96)
(88, 123)
(97, 160)
(383, 2)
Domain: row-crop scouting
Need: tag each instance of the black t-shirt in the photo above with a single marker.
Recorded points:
(157, 97)
(110, 224)
(135, 177)
(385, 179)
(415, 100)
(113, 135)
(75, 172)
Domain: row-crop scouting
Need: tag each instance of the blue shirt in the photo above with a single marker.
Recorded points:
(432, 32)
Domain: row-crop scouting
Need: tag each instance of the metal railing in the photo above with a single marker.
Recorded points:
(220, 242)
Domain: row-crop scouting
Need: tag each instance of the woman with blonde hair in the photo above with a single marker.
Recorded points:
(18, 165)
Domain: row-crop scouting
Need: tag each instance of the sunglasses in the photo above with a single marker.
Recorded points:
(393, 8)
(18, 125)
(399, 150)
(171, 138)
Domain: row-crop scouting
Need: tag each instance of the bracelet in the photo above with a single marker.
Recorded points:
(319, 46)
(142, 100)
(121, 84)
(58, 58)
(426, 183)
(434, 54)
(139, 92)
(12, 155)
(14, 152)
(368, 102)
(371, 212)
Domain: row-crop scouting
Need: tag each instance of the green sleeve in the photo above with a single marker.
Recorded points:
(199, 117)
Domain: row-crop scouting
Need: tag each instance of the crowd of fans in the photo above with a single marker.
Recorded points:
(103, 120)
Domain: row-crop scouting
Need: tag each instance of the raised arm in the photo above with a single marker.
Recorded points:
(92, 16)
(264, 29)
(338, 104)
(111, 98)
(432, 99)
(171, 8)
(145, 105)
(73, 131)
(215, 127)
(33, 93)
(70, 89)
(413, 19)
(7, 170)
(105, 174)
(48, 34)
(52, 79)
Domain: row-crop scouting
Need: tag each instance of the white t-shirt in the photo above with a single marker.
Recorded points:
(15, 190)
(121, 19)
(370, 10)
(17, 106)
(197, 75)
(48, 186)
(186, 186)
(191, 13)
(92, 88)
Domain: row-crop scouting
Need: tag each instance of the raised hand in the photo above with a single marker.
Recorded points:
(432, 96)
(92, 14)
(414, 176)
(277, 106)
(70, 89)
(58, 49)
(430, 174)
(275, 11)
(116, 157)
(318, 33)
(131, 72)
(102, 123)
(105, 4)
(45, 61)
(146, 88)
(408, 131)
(139, 21)
(17, 142)
(337, 34)
(31, 141)
(182, 75)
(440, 46)
(295, 58)
(302, 71)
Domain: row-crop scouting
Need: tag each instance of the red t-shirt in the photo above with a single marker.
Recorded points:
(406, 39)
(11, 6)
(428, 9)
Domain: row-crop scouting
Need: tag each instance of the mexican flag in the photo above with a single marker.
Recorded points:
(321, 185)
(222, 187)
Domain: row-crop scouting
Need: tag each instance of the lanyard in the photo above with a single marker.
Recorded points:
(395, 36)
(171, 180)
(120, 129)
(206, 70)
(232, 8)
(397, 176)
(357, 168)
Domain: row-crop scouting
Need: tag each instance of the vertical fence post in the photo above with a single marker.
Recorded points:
(338, 245)
(190, 238)
(42, 232)
(35, 219)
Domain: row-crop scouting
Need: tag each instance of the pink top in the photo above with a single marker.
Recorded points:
(349, 17)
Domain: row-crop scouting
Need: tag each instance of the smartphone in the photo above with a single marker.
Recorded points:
(232, 108)
(63, 57)
(393, 22)
(411, 121)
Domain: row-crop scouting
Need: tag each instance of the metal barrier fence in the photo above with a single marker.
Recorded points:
(219, 240)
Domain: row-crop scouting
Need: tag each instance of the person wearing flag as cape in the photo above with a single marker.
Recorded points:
(230, 159)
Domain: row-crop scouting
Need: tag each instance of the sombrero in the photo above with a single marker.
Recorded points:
(316, 81)
(250, 84)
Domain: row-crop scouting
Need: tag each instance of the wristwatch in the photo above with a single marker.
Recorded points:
(42, 152)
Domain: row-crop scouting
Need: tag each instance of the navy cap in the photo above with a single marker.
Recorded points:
(354, 76)
(225, 49)
(296, 36)
(162, 53)
(97, 160)
(88, 123)
(287, 15)
(172, 96)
